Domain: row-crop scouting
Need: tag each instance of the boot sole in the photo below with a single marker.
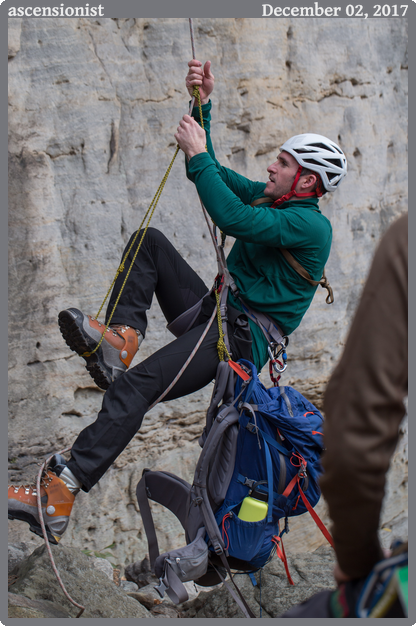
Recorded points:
(76, 339)
(34, 527)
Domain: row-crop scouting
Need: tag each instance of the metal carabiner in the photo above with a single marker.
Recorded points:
(274, 354)
(278, 369)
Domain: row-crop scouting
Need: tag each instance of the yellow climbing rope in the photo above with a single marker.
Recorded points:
(223, 353)
(149, 214)
(197, 95)
(221, 347)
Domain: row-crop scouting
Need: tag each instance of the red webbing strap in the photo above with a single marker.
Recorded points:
(237, 368)
(292, 192)
(285, 563)
(282, 556)
(290, 486)
(316, 517)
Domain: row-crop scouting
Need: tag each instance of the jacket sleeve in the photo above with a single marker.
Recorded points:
(227, 196)
(364, 406)
(240, 186)
(231, 211)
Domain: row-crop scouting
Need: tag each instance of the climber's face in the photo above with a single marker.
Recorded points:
(282, 173)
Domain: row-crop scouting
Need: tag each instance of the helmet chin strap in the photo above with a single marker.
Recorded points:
(292, 192)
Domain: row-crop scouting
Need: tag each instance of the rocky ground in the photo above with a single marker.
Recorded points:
(107, 593)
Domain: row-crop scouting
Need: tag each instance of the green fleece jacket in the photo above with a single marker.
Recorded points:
(263, 276)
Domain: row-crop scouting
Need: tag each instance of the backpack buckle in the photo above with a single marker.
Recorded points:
(223, 312)
(302, 470)
(161, 588)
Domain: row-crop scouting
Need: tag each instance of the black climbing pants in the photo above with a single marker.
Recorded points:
(158, 269)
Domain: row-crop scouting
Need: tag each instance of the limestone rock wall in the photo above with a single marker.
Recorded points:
(93, 106)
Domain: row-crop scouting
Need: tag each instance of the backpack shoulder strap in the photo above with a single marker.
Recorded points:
(302, 272)
(297, 266)
(201, 485)
(169, 491)
(222, 394)
(264, 200)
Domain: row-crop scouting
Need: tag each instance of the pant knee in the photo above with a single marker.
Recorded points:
(153, 235)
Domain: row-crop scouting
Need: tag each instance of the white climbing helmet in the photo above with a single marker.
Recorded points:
(319, 154)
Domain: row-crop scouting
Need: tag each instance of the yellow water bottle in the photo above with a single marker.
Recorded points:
(255, 506)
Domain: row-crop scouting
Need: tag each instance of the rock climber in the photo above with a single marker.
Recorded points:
(263, 217)
(364, 407)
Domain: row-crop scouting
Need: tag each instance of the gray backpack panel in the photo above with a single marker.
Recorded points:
(195, 505)
(170, 491)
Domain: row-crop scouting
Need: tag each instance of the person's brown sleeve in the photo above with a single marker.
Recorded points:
(363, 407)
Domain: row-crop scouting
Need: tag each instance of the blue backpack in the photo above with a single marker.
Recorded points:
(266, 441)
(279, 442)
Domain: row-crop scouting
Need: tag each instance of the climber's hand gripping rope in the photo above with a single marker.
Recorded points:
(190, 137)
(201, 77)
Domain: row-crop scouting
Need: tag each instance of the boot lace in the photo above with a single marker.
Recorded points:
(45, 481)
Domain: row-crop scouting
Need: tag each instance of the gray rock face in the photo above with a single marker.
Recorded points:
(93, 107)
(17, 552)
(20, 606)
(104, 566)
(85, 584)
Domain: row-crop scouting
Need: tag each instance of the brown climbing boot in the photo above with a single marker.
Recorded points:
(82, 333)
(57, 497)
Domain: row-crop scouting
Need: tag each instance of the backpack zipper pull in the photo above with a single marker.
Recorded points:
(178, 561)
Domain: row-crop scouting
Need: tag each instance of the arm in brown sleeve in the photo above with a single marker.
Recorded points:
(364, 407)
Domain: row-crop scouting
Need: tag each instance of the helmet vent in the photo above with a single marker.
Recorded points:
(335, 162)
(321, 146)
(312, 161)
